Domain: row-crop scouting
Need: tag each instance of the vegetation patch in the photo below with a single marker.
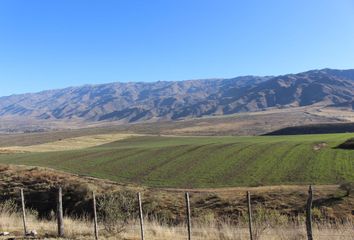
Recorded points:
(349, 144)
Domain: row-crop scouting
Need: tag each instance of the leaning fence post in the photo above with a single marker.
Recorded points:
(249, 214)
(141, 217)
(309, 215)
(60, 214)
(23, 213)
(95, 215)
(188, 211)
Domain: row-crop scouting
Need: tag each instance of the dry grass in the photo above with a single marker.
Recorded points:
(69, 143)
(344, 114)
(252, 123)
(206, 127)
(83, 229)
(74, 228)
(255, 123)
(225, 231)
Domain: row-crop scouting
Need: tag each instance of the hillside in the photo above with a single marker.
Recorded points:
(138, 102)
(191, 162)
(315, 129)
(215, 211)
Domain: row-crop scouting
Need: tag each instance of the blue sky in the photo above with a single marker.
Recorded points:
(59, 43)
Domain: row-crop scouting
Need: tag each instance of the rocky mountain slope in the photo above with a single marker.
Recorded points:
(168, 100)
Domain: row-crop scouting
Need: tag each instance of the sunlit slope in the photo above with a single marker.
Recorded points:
(207, 161)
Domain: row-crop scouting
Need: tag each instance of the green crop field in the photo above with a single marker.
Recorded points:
(206, 161)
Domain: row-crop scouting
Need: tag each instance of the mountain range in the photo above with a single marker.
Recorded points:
(174, 100)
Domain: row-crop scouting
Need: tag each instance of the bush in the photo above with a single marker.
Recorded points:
(116, 209)
(8, 207)
(349, 144)
(348, 187)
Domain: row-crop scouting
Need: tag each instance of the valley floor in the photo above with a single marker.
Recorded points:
(214, 170)
(196, 162)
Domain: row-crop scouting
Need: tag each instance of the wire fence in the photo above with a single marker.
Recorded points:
(146, 230)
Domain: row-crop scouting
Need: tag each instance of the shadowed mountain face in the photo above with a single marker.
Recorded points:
(133, 102)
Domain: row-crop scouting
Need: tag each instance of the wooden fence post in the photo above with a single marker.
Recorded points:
(23, 213)
(309, 215)
(249, 214)
(95, 215)
(60, 214)
(188, 213)
(141, 217)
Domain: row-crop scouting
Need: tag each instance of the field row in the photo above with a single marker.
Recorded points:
(206, 161)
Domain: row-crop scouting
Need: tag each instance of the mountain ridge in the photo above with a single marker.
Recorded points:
(173, 100)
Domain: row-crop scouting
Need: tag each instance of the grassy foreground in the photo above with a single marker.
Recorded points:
(207, 230)
(206, 161)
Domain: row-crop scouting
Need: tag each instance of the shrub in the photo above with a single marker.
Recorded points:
(116, 209)
(8, 207)
(349, 144)
(348, 187)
